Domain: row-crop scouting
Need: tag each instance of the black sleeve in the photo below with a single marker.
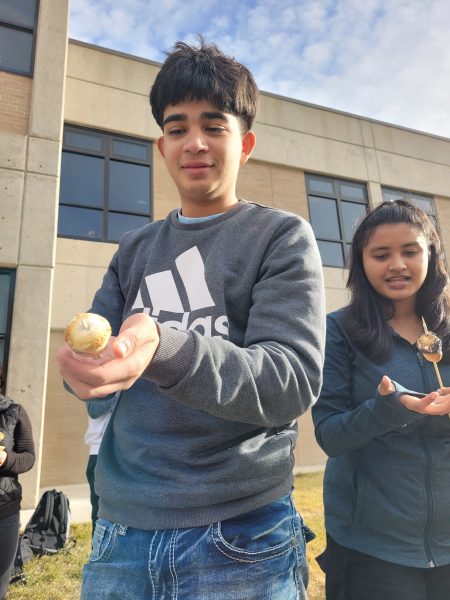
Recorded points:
(21, 459)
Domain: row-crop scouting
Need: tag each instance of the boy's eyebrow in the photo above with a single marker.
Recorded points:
(207, 115)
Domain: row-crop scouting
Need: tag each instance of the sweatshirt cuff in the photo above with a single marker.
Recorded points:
(173, 357)
(402, 415)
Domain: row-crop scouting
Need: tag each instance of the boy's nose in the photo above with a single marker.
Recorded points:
(195, 143)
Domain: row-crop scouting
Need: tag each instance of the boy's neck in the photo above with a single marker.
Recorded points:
(190, 209)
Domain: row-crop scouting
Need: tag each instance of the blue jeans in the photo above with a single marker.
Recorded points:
(256, 556)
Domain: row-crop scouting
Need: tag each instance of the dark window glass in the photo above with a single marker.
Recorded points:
(82, 180)
(5, 283)
(320, 186)
(324, 217)
(80, 222)
(17, 30)
(331, 254)
(83, 139)
(119, 191)
(118, 224)
(7, 280)
(352, 192)
(15, 49)
(129, 187)
(351, 215)
(130, 149)
(18, 12)
(334, 218)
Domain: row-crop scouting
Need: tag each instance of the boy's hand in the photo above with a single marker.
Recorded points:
(127, 356)
(435, 403)
(3, 457)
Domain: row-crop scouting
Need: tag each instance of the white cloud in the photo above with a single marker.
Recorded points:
(384, 59)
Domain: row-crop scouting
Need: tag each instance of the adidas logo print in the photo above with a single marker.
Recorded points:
(164, 296)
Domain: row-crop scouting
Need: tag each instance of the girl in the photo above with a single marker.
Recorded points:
(16, 456)
(382, 420)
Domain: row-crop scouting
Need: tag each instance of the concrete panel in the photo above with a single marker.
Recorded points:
(416, 175)
(11, 191)
(421, 146)
(39, 220)
(49, 70)
(165, 193)
(335, 278)
(64, 454)
(43, 156)
(109, 109)
(294, 115)
(367, 133)
(255, 183)
(27, 372)
(373, 173)
(84, 253)
(443, 213)
(110, 69)
(310, 153)
(308, 452)
(73, 290)
(13, 149)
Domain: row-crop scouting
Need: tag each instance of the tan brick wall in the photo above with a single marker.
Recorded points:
(15, 95)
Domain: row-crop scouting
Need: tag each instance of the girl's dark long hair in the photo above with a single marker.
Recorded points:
(368, 312)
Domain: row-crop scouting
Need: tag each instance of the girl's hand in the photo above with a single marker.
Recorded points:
(435, 403)
(3, 456)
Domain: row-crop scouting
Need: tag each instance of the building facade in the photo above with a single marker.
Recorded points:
(78, 165)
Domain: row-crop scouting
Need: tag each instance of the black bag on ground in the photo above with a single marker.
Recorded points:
(49, 526)
(24, 553)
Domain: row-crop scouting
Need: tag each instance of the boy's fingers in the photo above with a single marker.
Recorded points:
(136, 331)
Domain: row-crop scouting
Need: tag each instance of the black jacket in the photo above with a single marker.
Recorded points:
(18, 442)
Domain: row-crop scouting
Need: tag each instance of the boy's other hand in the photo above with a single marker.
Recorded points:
(129, 355)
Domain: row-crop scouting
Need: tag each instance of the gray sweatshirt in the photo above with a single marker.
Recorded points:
(208, 431)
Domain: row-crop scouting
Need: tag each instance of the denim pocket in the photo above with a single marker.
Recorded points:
(103, 540)
(259, 535)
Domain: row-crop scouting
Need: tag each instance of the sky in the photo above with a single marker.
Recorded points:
(387, 60)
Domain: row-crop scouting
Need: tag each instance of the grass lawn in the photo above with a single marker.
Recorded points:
(58, 577)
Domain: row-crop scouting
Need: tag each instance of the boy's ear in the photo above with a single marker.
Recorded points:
(160, 144)
(248, 143)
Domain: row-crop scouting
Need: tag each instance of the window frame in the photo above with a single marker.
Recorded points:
(106, 153)
(25, 29)
(6, 335)
(338, 197)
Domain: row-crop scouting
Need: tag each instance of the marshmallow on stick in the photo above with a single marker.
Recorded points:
(88, 334)
(430, 346)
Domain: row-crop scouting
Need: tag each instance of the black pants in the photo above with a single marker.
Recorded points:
(90, 469)
(9, 534)
(351, 575)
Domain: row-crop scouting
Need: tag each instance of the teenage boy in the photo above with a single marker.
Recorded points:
(219, 316)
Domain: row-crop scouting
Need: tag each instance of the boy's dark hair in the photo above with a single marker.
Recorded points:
(368, 312)
(205, 73)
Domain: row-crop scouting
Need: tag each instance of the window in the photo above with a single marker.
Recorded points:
(426, 203)
(105, 185)
(335, 208)
(18, 20)
(7, 281)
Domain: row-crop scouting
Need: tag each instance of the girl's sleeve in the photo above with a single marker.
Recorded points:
(341, 423)
(21, 458)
